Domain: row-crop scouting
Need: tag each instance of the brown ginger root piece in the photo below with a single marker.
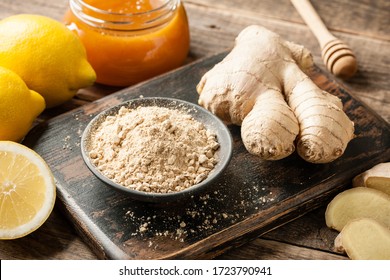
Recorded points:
(250, 88)
(378, 177)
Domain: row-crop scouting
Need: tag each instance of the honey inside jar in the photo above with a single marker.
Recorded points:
(130, 41)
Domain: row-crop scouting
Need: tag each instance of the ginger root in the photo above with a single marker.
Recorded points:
(261, 85)
(364, 239)
(378, 177)
(359, 202)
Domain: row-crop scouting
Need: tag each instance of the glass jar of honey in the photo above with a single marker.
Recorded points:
(130, 41)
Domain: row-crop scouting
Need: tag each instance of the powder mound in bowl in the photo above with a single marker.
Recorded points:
(153, 149)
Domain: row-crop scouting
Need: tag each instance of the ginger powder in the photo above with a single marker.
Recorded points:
(153, 149)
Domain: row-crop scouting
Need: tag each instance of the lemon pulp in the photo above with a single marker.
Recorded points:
(27, 190)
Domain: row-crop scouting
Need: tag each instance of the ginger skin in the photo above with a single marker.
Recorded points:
(261, 85)
(378, 177)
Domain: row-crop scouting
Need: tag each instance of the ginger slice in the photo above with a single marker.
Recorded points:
(261, 85)
(378, 177)
(364, 239)
(359, 202)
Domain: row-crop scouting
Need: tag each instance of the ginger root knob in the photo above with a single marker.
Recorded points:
(262, 86)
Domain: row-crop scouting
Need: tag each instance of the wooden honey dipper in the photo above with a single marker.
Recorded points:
(337, 56)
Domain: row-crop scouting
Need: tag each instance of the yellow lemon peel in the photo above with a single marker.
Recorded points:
(19, 106)
(48, 56)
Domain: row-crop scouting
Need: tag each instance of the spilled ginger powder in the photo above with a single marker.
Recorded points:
(154, 149)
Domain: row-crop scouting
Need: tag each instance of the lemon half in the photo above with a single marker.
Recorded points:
(27, 190)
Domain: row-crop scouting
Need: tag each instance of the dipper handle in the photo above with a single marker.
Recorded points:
(337, 56)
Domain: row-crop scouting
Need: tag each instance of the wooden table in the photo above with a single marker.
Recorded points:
(214, 25)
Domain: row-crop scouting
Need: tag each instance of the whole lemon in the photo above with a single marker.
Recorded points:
(46, 55)
(19, 106)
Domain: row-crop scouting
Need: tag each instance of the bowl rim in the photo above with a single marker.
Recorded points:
(153, 196)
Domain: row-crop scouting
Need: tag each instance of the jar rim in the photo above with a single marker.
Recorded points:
(102, 11)
(122, 21)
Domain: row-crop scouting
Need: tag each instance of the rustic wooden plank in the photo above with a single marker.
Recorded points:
(369, 18)
(310, 232)
(264, 249)
(274, 192)
(54, 9)
(365, 18)
(307, 235)
(373, 56)
(55, 239)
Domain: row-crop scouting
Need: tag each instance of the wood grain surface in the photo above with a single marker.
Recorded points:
(214, 24)
(251, 198)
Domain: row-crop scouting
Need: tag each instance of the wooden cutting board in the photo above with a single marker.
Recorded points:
(253, 196)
